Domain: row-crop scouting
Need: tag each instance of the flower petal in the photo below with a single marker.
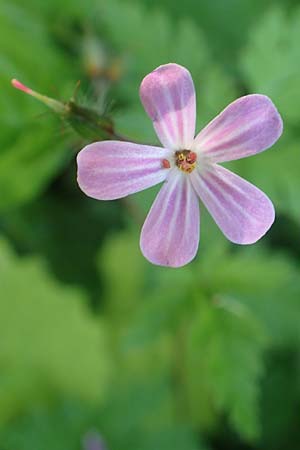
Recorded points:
(241, 210)
(170, 235)
(247, 126)
(168, 96)
(112, 169)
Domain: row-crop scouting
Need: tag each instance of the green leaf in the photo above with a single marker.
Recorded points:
(280, 400)
(141, 415)
(226, 24)
(173, 438)
(59, 427)
(51, 345)
(225, 357)
(29, 47)
(207, 325)
(33, 148)
(271, 63)
(265, 282)
(29, 163)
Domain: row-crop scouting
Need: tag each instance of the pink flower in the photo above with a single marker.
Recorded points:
(188, 166)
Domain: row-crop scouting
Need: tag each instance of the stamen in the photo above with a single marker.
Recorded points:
(166, 164)
(185, 160)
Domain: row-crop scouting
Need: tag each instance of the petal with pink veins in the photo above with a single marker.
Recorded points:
(241, 210)
(113, 169)
(170, 235)
(247, 126)
(169, 98)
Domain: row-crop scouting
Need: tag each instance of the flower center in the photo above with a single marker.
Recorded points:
(185, 160)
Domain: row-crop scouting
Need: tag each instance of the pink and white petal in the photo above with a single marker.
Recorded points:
(169, 98)
(170, 235)
(241, 210)
(113, 169)
(247, 126)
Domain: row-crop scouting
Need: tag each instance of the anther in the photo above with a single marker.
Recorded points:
(166, 164)
(185, 160)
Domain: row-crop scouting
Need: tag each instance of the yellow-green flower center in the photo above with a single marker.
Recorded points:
(185, 160)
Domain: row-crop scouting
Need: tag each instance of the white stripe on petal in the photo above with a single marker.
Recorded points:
(168, 96)
(241, 210)
(247, 126)
(170, 234)
(113, 169)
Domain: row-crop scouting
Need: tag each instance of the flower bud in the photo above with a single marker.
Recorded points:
(87, 122)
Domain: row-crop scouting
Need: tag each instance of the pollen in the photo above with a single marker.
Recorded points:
(185, 160)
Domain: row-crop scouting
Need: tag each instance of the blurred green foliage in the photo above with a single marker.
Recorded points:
(42, 333)
(95, 338)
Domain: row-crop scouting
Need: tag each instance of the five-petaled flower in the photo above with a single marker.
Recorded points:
(188, 166)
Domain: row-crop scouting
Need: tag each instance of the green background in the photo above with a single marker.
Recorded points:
(95, 342)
